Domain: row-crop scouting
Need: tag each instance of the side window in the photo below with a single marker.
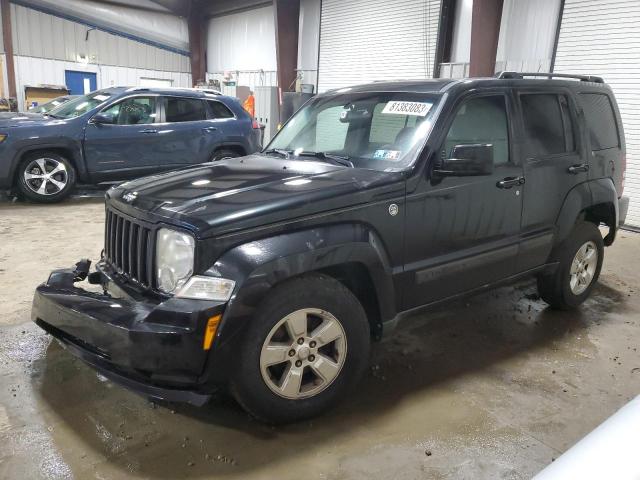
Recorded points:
(481, 120)
(547, 124)
(331, 134)
(134, 111)
(219, 110)
(185, 110)
(601, 120)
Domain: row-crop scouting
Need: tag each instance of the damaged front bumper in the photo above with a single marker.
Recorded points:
(151, 345)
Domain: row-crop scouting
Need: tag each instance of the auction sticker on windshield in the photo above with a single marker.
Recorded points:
(419, 109)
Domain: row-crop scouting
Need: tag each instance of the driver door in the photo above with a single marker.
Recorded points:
(465, 229)
(128, 147)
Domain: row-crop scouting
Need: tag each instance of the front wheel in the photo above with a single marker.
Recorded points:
(45, 177)
(579, 264)
(308, 344)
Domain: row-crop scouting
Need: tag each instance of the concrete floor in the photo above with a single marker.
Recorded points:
(495, 387)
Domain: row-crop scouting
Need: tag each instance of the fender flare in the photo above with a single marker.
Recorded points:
(257, 266)
(71, 146)
(584, 195)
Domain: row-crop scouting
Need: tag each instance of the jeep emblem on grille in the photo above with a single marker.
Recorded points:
(130, 196)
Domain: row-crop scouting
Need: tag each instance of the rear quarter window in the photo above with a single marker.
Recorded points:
(219, 109)
(601, 120)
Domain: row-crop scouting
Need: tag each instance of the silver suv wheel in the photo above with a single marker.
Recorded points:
(46, 176)
(583, 268)
(303, 353)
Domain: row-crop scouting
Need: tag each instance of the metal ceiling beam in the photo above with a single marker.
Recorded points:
(178, 7)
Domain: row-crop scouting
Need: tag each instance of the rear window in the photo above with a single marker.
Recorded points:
(185, 110)
(219, 110)
(547, 124)
(601, 120)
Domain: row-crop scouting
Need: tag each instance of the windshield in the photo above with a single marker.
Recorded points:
(380, 131)
(81, 105)
(46, 107)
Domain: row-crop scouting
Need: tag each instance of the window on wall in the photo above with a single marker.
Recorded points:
(185, 110)
(547, 123)
(481, 120)
(601, 120)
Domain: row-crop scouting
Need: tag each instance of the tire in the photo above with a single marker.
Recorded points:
(571, 284)
(320, 301)
(224, 153)
(50, 188)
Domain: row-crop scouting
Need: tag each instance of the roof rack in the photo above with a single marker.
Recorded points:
(521, 75)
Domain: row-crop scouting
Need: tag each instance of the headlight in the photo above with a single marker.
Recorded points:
(3, 137)
(207, 288)
(174, 259)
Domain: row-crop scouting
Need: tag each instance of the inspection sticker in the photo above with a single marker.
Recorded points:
(418, 109)
(387, 154)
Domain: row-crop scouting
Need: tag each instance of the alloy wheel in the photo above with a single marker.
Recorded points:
(583, 268)
(303, 353)
(46, 176)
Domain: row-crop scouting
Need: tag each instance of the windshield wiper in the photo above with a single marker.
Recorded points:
(279, 151)
(51, 115)
(330, 158)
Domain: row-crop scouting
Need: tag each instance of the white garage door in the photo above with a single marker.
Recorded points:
(367, 40)
(602, 37)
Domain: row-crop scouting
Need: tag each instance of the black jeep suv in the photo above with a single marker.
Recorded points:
(271, 273)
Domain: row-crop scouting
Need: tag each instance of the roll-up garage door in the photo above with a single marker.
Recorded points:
(600, 37)
(367, 40)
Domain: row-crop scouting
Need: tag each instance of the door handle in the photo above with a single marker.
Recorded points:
(576, 169)
(149, 130)
(509, 182)
(209, 129)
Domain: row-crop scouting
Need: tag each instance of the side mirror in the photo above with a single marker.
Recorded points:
(103, 118)
(467, 160)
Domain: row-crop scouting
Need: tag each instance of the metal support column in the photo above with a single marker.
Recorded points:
(485, 31)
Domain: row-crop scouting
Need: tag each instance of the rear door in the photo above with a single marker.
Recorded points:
(128, 147)
(554, 163)
(606, 152)
(186, 132)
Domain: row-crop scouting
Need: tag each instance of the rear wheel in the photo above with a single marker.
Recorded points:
(223, 154)
(579, 264)
(45, 177)
(307, 346)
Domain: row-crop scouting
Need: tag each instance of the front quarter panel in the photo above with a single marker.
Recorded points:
(259, 265)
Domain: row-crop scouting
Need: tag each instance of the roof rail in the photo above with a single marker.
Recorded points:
(521, 75)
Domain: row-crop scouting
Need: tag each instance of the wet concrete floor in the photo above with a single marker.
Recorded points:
(493, 387)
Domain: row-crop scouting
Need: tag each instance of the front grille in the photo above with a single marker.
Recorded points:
(128, 246)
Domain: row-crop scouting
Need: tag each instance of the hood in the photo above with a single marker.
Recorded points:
(15, 119)
(241, 193)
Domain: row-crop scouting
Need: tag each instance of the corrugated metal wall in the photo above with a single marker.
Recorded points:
(45, 46)
(37, 34)
(366, 40)
(602, 37)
